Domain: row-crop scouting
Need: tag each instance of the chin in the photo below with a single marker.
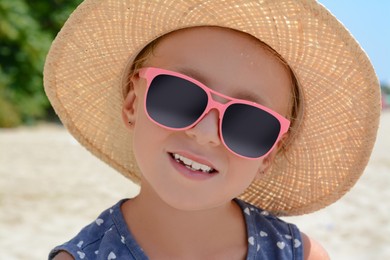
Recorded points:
(193, 204)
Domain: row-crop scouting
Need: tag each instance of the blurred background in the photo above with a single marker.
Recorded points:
(28, 27)
(44, 200)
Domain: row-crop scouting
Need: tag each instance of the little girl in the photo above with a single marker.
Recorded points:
(227, 114)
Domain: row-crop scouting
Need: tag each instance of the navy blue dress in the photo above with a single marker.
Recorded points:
(109, 238)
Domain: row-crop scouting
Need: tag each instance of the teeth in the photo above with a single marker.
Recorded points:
(191, 164)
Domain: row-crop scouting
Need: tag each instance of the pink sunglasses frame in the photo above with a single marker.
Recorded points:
(149, 73)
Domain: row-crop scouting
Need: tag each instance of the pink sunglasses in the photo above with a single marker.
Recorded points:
(177, 102)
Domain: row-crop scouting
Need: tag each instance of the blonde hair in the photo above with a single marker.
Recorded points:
(296, 105)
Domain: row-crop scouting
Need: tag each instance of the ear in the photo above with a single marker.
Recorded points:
(129, 108)
(268, 160)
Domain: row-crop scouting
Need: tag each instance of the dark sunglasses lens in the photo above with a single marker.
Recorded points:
(175, 102)
(249, 131)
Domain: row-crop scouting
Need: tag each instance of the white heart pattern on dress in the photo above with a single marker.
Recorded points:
(111, 256)
(297, 243)
(263, 234)
(80, 244)
(81, 254)
(264, 213)
(99, 221)
(247, 211)
(281, 245)
(251, 241)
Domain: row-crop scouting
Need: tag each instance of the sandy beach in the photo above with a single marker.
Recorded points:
(50, 187)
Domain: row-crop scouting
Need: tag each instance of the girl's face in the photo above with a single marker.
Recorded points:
(231, 63)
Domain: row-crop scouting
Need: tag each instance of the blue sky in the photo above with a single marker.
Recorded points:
(369, 23)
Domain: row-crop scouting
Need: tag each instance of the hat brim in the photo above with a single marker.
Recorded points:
(341, 95)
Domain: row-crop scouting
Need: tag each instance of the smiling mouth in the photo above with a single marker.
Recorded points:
(192, 165)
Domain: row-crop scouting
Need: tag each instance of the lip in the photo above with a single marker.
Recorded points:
(195, 175)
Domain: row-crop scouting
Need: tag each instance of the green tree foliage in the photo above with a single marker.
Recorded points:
(385, 86)
(27, 29)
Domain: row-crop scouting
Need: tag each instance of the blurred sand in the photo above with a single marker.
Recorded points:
(50, 187)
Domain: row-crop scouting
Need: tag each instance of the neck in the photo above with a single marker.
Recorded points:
(160, 227)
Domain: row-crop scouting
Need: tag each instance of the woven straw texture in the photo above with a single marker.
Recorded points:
(85, 66)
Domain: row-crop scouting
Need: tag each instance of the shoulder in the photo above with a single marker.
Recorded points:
(260, 219)
(270, 236)
(63, 255)
(312, 249)
(95, 238)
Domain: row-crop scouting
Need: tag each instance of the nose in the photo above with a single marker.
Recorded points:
(206, 131)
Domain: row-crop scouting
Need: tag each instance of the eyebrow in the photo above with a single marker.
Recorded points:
(249, 96)
(238, 94)
(193, 74)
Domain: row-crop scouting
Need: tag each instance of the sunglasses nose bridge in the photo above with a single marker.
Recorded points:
(213, 104)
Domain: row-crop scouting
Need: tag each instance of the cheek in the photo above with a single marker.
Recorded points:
(146, 137)
(243, 172)
(149, 142)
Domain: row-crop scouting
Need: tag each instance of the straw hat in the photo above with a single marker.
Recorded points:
(341, 96)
